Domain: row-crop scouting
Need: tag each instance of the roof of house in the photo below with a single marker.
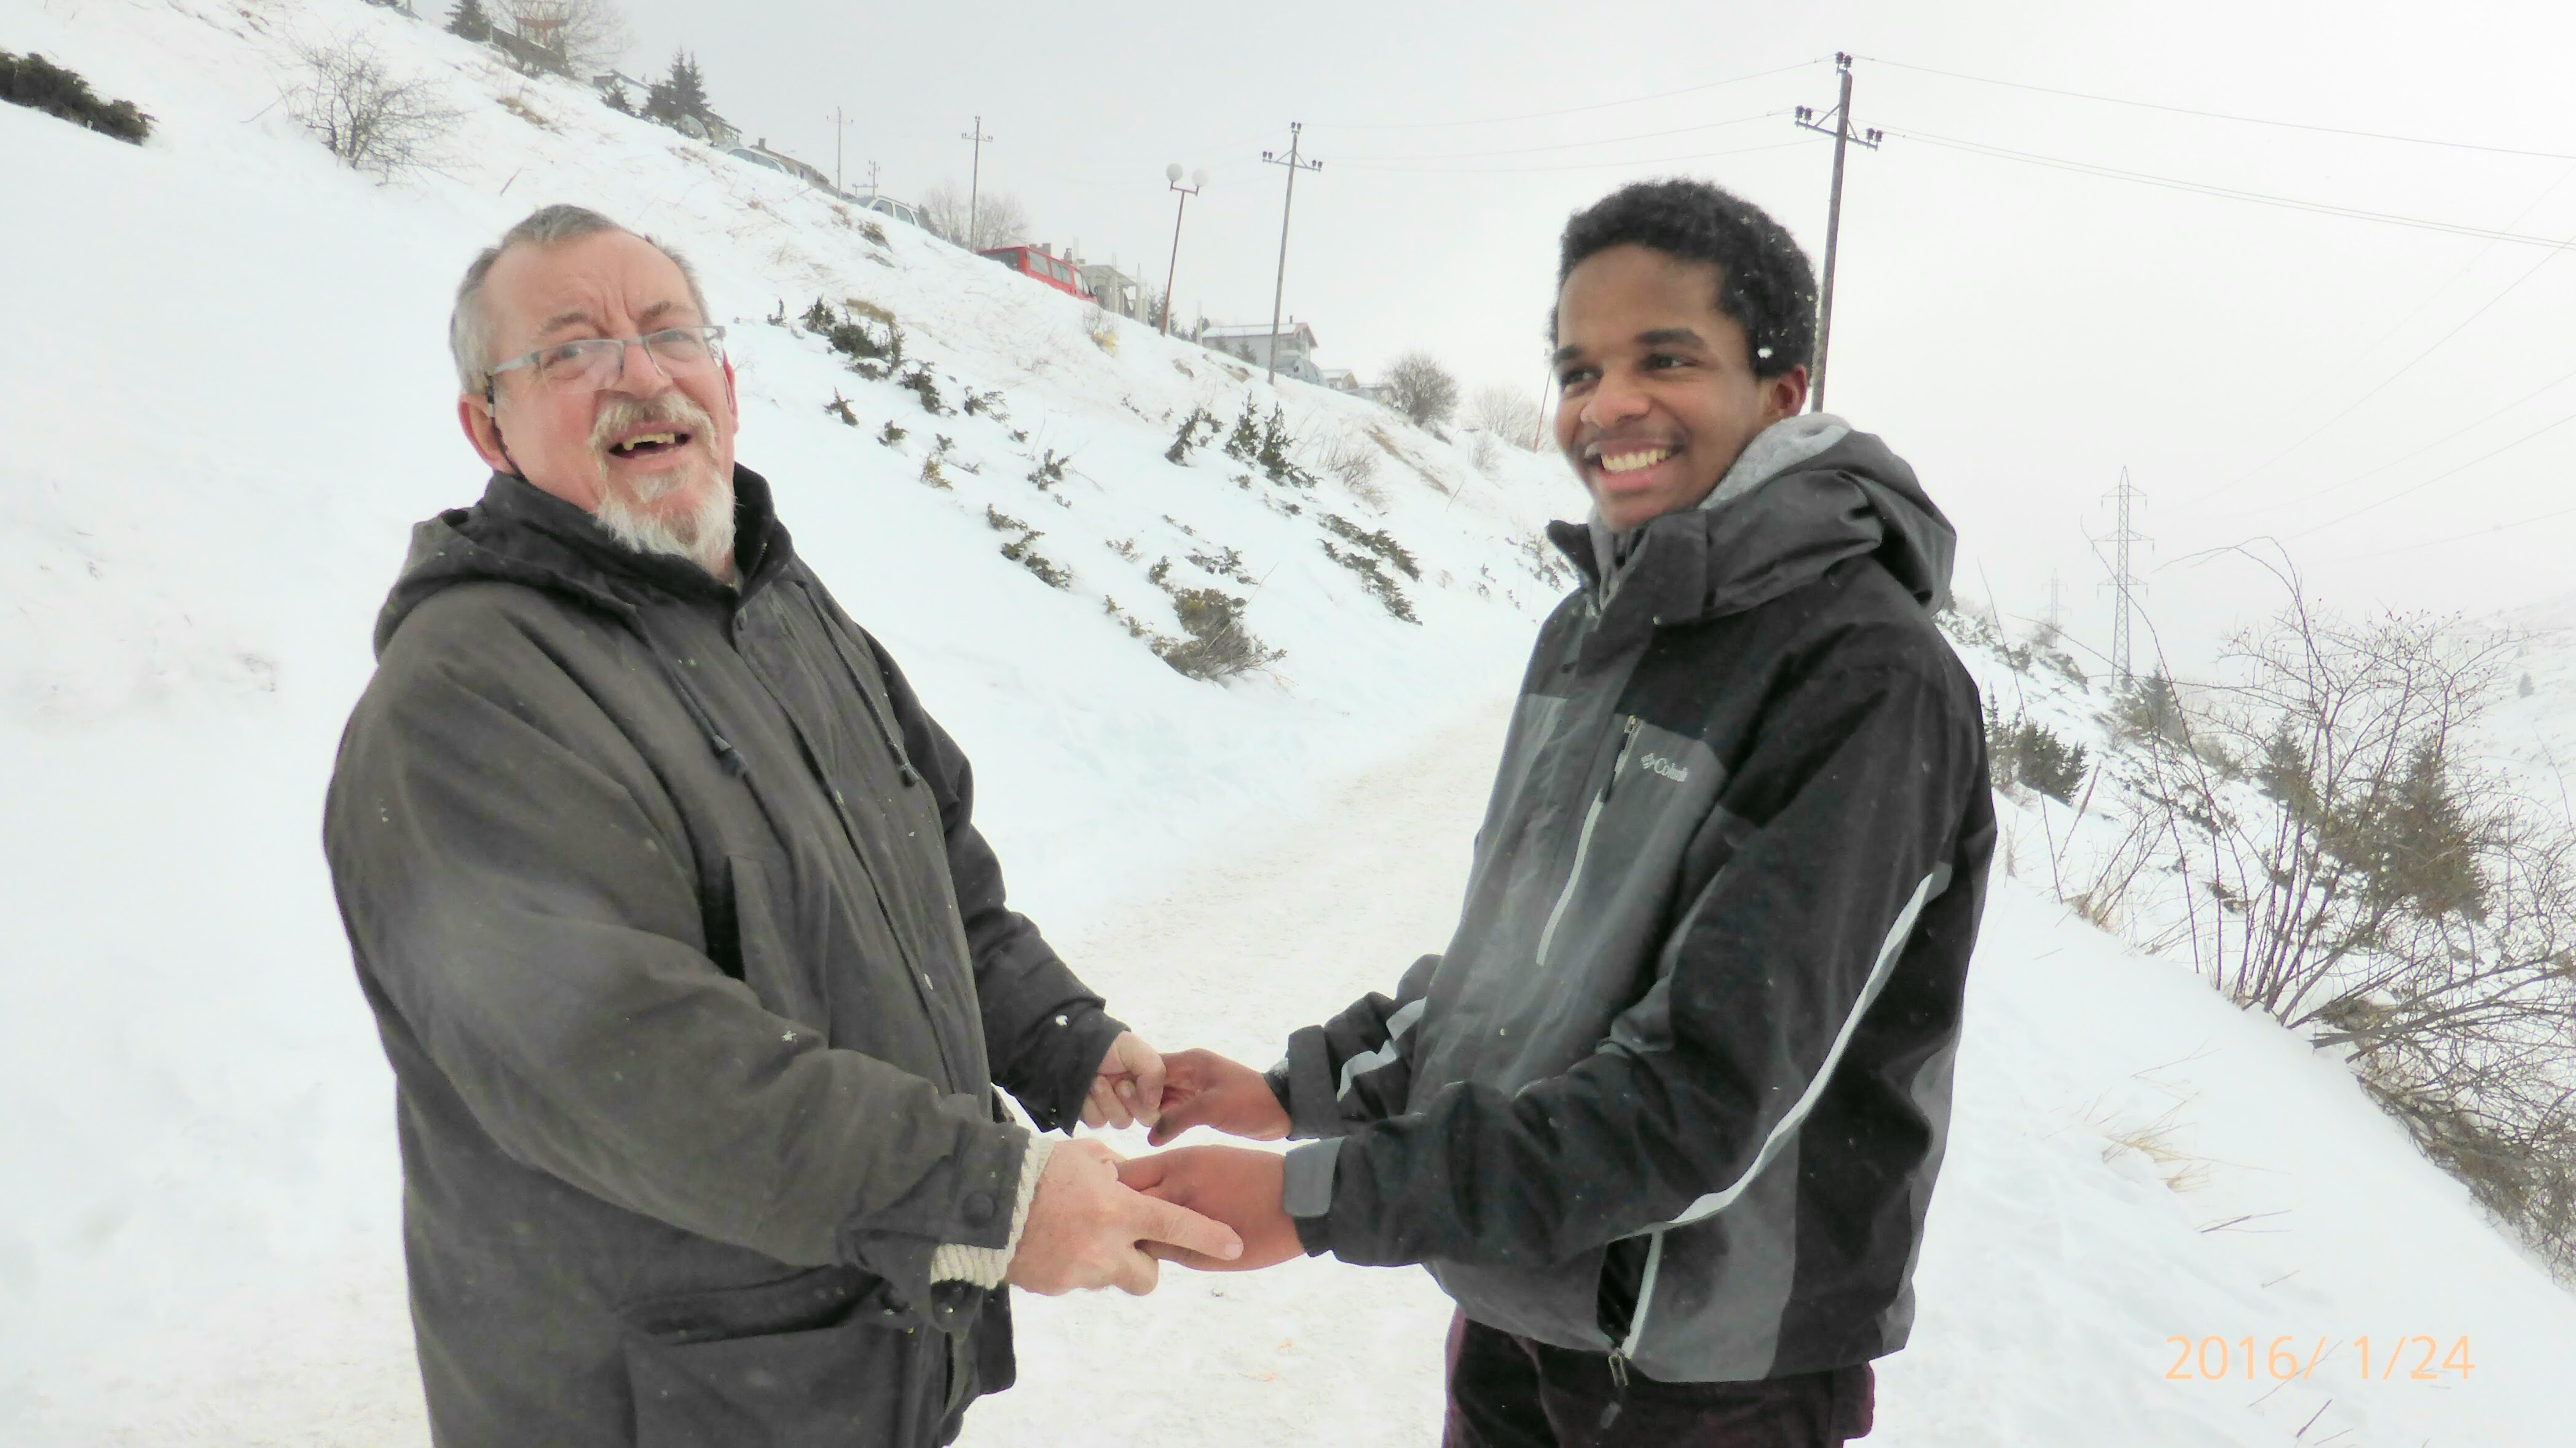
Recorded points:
(1259, 331)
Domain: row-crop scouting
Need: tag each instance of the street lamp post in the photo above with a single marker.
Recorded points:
(1198, 182)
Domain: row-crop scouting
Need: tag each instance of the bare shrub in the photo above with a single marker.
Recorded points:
(1422, 389)
(1354, 461)
(996, 218)
(356, 107)
(2368, 882)
(1509, 414)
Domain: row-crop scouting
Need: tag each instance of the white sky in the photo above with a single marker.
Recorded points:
(2020, 333)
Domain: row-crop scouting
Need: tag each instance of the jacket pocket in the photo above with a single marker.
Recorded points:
(815, 1359)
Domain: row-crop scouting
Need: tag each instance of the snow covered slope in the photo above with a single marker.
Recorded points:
(226, 399)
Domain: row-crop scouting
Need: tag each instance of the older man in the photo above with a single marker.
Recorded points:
(695, 975)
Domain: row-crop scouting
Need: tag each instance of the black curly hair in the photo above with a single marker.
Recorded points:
(1765, 283)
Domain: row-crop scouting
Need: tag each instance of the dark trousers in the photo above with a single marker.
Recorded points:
(1510, 1392)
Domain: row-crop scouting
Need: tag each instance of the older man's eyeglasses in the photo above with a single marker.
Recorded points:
(590, 364)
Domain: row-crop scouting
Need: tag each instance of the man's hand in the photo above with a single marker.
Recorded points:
(1202, 1088)
(1231, 1184)
(1086, 1229)
(1129, 1087)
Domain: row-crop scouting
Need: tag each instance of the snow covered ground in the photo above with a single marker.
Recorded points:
(229, 398)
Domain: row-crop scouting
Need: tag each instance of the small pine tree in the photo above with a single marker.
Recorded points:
(679, 95)
(1245, 442)
(615, 97)
(470, 21)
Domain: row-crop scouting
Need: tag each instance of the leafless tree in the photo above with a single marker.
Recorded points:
(2347, 864)
(348, 98)
(1509, 414)
(998, 217)
(1422, 389)
(586, 34)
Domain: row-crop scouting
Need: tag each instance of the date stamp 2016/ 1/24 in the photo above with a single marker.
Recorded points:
(2417, 1359)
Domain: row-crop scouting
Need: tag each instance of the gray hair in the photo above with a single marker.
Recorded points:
(469, 329)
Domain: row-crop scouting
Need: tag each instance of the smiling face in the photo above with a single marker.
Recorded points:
(650, 455)
(1658, 392)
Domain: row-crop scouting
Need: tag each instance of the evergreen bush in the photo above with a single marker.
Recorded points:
(39, 84)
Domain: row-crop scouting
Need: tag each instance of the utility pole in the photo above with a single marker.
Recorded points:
(2125, 583)
(872, 180)
(975, 186)
(1841, 131)
(1198, 183)
(2055, 619)
(840, 127)
(1295, 163)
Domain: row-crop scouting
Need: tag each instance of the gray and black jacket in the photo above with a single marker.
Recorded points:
(697, 979)
(1679, 1087)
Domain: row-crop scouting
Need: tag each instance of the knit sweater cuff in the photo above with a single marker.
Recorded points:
(986, 1266)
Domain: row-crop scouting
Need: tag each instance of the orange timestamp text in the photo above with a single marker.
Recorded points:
(2418, 1358)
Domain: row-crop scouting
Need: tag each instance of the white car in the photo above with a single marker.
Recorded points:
(902, 211)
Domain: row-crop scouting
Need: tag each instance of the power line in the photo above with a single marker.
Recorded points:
(2437, 477)
(1569, 110)
(1575, 166)
(2230, 116)
(2409, 366)
(2560, 380)
(2401, 325)
(1573, 145)
(2461, 537)
(2204, 188)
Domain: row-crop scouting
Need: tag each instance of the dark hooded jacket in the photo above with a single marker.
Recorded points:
(696, 979)
(1679, 1087)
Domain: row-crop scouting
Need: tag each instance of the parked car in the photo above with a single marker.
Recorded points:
(784, 165)
(903, 211)
(1055, 271)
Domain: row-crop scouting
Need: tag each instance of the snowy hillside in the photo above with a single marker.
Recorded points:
(227, 400)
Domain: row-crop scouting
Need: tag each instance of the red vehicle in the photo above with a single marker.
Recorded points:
(1038, 262)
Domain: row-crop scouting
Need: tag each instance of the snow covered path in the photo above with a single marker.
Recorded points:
(2135, 1162)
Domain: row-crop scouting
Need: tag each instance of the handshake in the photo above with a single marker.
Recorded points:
(1102, 1221)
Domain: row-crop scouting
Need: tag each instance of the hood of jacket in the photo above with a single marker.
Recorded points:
(1806, 493)
(518, 533)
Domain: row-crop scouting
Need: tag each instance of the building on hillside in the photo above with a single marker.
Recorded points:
(618, 82)
(1343, 379)
(1113, 289)
(781, 161)
(1253, 342)
(714, 129)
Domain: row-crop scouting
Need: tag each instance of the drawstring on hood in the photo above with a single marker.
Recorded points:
(726, 755)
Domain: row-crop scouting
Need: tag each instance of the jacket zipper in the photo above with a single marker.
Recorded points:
(1583, 841)
(1626, 1349)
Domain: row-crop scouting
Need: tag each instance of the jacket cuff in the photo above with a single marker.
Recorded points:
(1313, 1110)
(966, 1198)
(1073, 1053)
(1306, 1193)
(986, 1266)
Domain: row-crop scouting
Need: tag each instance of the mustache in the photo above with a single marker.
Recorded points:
(622, 412)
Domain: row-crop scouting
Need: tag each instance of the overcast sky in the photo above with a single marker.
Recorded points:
(2021, 332)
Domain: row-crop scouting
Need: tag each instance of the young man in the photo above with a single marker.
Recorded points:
(1666, 1116)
